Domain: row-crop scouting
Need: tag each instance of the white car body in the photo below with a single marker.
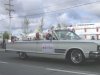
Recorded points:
(57, 48)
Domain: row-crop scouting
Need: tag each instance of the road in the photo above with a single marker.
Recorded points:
(10, 64)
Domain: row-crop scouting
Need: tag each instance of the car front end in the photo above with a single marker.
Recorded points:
(95, 54)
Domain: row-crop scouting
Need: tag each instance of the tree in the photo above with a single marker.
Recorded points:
(6, 35)
(58, 26)
(25, 26)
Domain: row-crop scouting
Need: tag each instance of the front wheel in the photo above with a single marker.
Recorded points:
(22, 55)
(76, 57)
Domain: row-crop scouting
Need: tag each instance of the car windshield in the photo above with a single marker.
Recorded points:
(67, 35)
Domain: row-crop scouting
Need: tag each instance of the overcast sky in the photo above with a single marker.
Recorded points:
(53, 11)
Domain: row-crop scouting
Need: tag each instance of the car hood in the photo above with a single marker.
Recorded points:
(96, 41)
(83, 41)
(91, 41)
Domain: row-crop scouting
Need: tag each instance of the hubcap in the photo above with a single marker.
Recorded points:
(76, 56)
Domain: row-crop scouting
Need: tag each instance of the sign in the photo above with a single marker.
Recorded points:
(47, 48)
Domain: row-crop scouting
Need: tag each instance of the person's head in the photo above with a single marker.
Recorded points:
(48, 36)
(92, 37)
(37, 35)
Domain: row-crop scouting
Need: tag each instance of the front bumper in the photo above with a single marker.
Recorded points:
(94, 54)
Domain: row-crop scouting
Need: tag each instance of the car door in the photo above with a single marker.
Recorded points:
(45, 46)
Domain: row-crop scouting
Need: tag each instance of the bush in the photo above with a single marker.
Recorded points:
(6, 35)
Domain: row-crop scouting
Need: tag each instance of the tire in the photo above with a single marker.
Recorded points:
(76, 57)
(22, 55)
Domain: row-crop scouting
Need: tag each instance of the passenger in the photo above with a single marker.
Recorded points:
(12, 39)
(48, 36)
(92, 38)
(37, 36)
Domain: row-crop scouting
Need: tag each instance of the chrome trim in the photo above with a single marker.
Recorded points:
(60, 50)
(94, 54)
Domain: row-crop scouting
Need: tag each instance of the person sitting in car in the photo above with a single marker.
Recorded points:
(48, 36)
(37, 36)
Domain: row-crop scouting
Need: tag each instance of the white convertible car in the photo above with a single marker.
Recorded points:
(62, 44)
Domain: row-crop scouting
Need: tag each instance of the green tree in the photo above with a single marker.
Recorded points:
(6, 35)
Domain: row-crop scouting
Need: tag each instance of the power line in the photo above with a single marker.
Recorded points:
(69, 1)
(57, 10)
(63, 8)
(48, 6)
(59, 3)
(75, 6)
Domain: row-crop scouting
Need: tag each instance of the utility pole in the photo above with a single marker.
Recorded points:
(10, 10)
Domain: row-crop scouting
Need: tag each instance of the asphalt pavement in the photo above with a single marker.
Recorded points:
(10, 64)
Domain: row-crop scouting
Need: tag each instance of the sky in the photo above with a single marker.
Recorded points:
(53, 11)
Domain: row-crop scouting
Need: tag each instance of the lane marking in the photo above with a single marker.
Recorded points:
(57, 70)
(3, 62)
(69, 71)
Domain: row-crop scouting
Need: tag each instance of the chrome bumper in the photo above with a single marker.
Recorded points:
(94, 54)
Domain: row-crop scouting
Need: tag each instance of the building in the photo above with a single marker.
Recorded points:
(87, 30)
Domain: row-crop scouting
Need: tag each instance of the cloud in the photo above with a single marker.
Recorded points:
(53, 11)
(28, 7)
(93, 8)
